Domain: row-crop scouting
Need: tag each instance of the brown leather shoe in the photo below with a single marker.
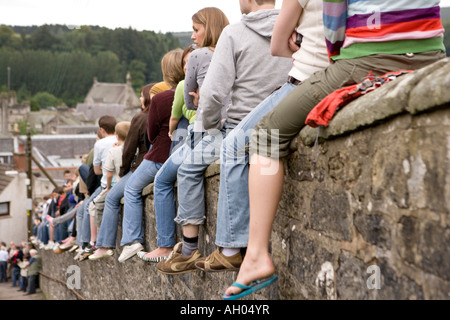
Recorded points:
(58, 250)
(177, 263)
(216, 262)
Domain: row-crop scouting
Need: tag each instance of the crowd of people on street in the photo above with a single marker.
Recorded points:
(239, 94)
(22, 264)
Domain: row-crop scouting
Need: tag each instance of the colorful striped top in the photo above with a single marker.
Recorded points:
(357, 28)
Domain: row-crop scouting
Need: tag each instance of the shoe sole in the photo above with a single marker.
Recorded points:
(153, 259)
(251, 288)
(92, 258)
(214, 270)
(178, 272)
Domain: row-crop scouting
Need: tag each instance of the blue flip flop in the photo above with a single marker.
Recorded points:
(253, 287)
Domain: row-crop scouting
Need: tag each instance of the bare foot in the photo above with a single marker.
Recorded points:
(68, 242)
(159, 252)
(252, 269)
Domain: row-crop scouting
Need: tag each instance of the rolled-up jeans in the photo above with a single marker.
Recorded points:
(233, 206)
(164, 189)
(133, 207)
(191, 192)
(164, 196)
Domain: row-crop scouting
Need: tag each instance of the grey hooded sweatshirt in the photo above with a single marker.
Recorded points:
(243, 67)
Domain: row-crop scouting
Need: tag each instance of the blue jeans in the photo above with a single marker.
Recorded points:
(164, 196)
(85, 234)
(15, 276)
(179, 135)
(43, 233)
(84, 172)
(23, 283)
(133, 207)
(80, 219)
(233, 207)
(164, 192)
(191, 192)
(61, 232)
(108, 228)
(3, 267)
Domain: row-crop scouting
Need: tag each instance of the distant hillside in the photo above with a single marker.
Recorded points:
(184, 38)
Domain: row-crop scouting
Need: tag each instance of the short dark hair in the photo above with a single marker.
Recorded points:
(108, 123)
(59, 190)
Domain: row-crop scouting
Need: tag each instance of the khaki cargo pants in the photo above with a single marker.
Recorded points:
(272, 135)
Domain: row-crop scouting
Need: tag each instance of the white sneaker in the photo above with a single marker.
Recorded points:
(74, 247)
(50, 245)
(129, 251)
(79, 252)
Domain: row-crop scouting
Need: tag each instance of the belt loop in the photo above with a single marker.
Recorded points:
(293, 81)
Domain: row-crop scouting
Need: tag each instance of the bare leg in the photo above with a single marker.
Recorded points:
(190, 231)
(93, 229)
(50, 227)
(264, 195)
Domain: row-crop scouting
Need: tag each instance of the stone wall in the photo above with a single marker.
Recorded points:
(369, 221)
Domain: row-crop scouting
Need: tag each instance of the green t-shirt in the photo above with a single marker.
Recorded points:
(178, 106)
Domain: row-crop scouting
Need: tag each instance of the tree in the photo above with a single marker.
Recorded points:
(45, 99)
(137, 74)
(8, 38)
(43, 39)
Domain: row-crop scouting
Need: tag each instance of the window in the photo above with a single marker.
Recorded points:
(4, 209)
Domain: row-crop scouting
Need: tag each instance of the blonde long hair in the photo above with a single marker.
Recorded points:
(171, 68)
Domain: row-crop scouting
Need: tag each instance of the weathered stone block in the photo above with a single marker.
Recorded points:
(433, 248)
(374, 229)
(330, 213)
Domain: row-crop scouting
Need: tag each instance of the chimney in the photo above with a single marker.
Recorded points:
(128, 79)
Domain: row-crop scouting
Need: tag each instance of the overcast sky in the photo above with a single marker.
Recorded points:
(162, 15)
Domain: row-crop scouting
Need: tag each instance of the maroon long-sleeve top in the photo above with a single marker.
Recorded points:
(158, 126)
(134, 142)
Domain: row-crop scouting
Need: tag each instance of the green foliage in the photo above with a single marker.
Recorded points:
(63, 61)
(22, 124)
(43, 100)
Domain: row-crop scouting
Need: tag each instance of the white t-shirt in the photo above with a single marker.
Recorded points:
(113, 162)
(313, 55)
(4, 256)
(101, 149)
